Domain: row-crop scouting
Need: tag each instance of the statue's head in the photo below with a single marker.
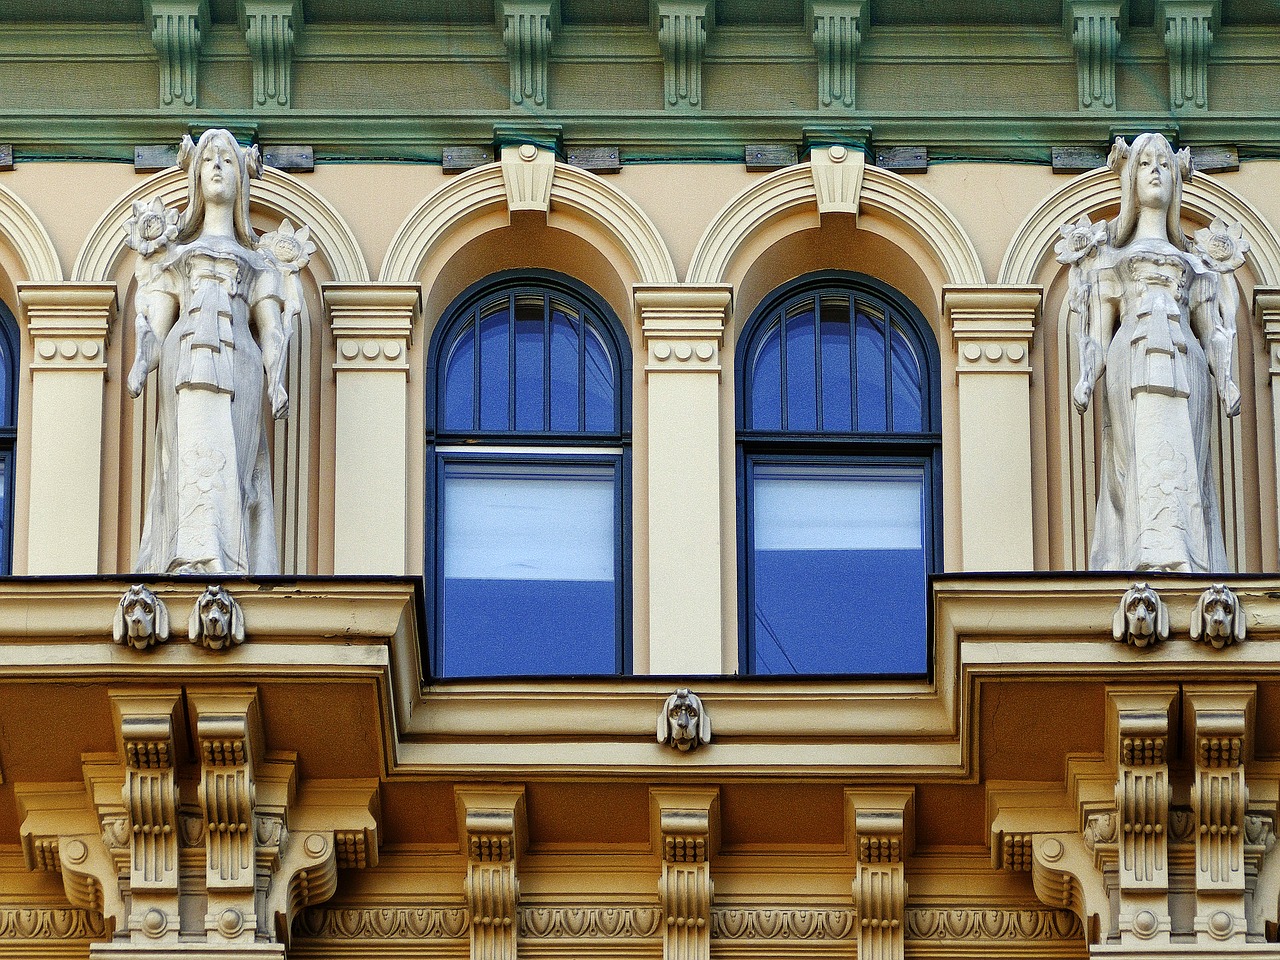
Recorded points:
(1151, 175)
(218, 171)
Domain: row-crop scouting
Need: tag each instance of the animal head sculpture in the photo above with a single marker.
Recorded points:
(683, 722)
(1218, 617)
(1142, 619)
(216, 620)
(141, 619)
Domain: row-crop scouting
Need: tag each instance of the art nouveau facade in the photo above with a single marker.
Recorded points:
(562, 443)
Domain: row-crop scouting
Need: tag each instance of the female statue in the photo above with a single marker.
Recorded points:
(1157, 312)
(214, 311)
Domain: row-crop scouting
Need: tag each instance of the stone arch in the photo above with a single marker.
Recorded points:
(483, 189)
(792, 190)
(31, 242)
(1202, 197)
(279, 192)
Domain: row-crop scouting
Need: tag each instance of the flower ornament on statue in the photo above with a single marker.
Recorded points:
(152, 227)
(1080, 240)
(291, 248)
(1222, 246)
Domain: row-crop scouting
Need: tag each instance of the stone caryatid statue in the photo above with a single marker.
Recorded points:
(1157, 311)
(215, 308)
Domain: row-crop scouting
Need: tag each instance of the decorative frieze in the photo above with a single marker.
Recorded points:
(1095, 27)
(270, 28)
(384, 923)
(45, 923)
(883, 832)
(177, 28)
(527, 30)
(1188, 37)
(782, 924)
(493, 831)
(682, 36)
(837, 33)
(590, 922)
(686, 831)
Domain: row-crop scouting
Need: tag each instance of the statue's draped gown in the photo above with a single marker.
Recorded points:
(1157, 498)
(210, 509)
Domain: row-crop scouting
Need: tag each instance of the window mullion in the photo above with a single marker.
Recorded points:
(817, 363)
(853, 363)
(888, 371)
(511, 361)
(782, 363)
(546, 362)
(474, 323)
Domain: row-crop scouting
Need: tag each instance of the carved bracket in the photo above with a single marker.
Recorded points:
(493, 830)
(177, 28)
(270, 28)
(883, 833)
(527, 30)
(683, 27)
(1188, 38)
(1095, 27)
(837, 33)
(685, 827)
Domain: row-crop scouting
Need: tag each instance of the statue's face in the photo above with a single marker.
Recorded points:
(1155, 178)
(219, 172)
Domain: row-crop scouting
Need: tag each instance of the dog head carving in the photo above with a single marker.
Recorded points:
(1218, 618)
(1142, 619)
(141, 620)
(216, 620)
(683, 722)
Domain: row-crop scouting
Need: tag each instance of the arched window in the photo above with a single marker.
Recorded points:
(839, 466)
(528, 423)
(8, 431)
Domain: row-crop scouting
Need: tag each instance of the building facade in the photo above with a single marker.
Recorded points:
(682, 513)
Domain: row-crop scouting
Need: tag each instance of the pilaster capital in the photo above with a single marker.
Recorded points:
(69, 323)
(685, 823)
(992, 326)
(683, 325)
(372, 324)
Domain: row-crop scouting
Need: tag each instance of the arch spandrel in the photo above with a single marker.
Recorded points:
(1203, 199)
(335, 241)
(791, 192)
(483, 190)
(31, 243)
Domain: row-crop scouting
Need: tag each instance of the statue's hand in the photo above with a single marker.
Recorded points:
(1230, 394)
(1082, 394)
(279, 402)
(138, 376)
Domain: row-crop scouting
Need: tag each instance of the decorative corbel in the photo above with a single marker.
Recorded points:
(837, 33)
(837, 178)
(228, 734)
(683, 26)
(177, 27)
(1220, 721)
(527, 172)
(493, 830)
(686, 829)
(270, 28)
(1095, 27)
(883, 833)
(1188, 37)
(1138, 723)
(527, 29)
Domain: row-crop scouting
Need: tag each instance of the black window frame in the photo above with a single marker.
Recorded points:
(826, 447)
(8, 434)
(513, 446)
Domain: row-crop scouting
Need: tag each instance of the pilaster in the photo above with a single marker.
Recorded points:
(1095, 27)
(1188, 36)
(493, 831)
(270, 28)
(993, 327)
(686, 830)
(837, 33)
(683, 26)
(177, 28)
(372, 328)
(69, 326)
(527, 30)
(682, 327)
(1266, 309)
(883, 823)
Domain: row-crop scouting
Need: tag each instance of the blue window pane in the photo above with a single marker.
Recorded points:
(495, 371)
(825, 539)
(906, 384)
(529, 563)
(565, 333)
(460, 382)
(837, 395)
(530, 357)
(871, 394)
(599, 385)
(766, 383)
(802, 378)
